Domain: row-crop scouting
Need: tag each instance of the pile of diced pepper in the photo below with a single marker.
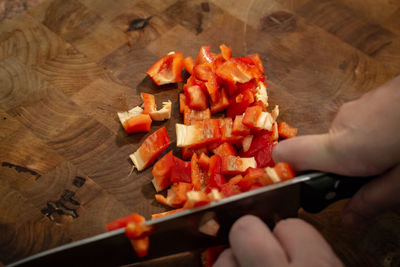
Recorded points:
(221, 156)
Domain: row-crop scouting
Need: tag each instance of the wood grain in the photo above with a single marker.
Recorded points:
(67, 67)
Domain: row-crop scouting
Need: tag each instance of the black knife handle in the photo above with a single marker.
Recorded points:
(318, 193)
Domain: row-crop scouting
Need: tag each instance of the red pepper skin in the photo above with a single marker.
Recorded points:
(226, 52)
(284, 171)
(149, 103)
(225, 149)
(138, 124)
(204, 56)
(216, 178)
(122, 222)
(228, 190)
(188, 64)
(221, 104)
(162, 171)
(182, 103)
(152, 147)
(254, 178)
(181, 171)
(239, 103)
(167, 69)
(195, 97)
(286, 131)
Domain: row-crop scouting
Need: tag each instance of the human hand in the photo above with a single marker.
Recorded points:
(363, 140)
(293, 242)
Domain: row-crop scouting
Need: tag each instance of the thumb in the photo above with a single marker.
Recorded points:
(308, 152)
(379, 195)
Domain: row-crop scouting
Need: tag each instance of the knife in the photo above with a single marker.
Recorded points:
(179, 232)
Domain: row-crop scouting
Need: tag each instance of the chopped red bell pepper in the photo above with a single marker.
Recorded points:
(138, 123)
(235, 180)
(255, 177)
(200, 134)
(229, 189)
(187, 153)
(239, 103)
(204, 56)
(234, 71)
(225, 149)
(149, 103)
(190, 115)
(204, 160)
(226, 132)
(236, 165)
(239, 128)
(135, 230)
(196, 199)
(195, 97)
(150, 149)
(286, 131)
(188, 64)
(167, 69)
(261, 149)
(223, 102)
(195, 172)
(141, 246)
(182, 103)
(176, 195)
(225, 52)
(284, 171)
(162, 171)
(258, 120)
(181, 171)
(255, 58)
(122, 222)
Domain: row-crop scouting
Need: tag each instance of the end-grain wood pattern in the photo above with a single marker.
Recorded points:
(67, 67)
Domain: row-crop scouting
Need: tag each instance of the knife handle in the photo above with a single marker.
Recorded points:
(318, 193)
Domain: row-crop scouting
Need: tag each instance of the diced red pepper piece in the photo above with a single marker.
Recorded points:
(122, 222)
(166, 213)
(182, 103)
(200, 134)
(223, 102)
(187, 153)
(226, 132)
(167, 69)
(141, 246)
(181, 171)
(258, 120)
(150, 149)
(226, 52)
(261, 149)
(176, 195)
(229, 189)
(162, 171)
(255, 58)
(213, 88)
(235, 180)
(137, 124)
(204, 56)
(204, 160)
(135, 230)
(234, 71)
(236, 165)
(260, 104)
(195, 172)
(190, 115)
(149, 103)
(239, 103)
(225, 149)
(188, 64)
(249, 67)
(195, 97)
(239, 128)
(284, 171)
(196, 199)
(214, 170)
(202, 72)
(254, 178)
(247, 142)
(263, 157)
(286, 131)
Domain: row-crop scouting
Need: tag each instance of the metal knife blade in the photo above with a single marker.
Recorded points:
(179, 232)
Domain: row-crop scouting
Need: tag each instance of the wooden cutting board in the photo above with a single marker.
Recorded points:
(67, 67)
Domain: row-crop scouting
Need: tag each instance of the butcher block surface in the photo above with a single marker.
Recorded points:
(68, 66)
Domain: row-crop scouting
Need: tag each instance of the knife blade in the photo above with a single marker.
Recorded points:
(179, 232)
